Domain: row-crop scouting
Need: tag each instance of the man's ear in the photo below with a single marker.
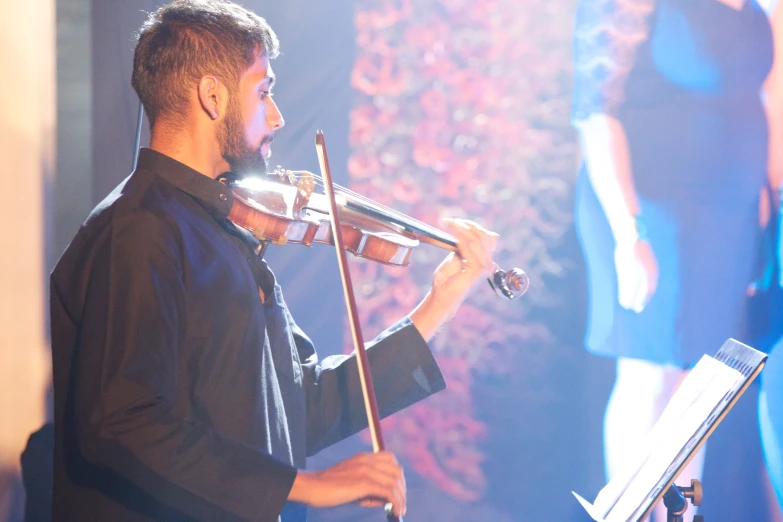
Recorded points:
(209, 96)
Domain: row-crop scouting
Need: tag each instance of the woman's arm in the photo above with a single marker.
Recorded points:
(606, 38)
(608, 161)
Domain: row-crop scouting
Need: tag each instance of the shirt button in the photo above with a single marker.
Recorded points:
(223, 197)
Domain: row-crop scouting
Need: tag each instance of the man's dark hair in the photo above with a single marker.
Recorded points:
(187, 39)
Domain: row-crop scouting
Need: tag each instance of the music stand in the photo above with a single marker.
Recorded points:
(701, 402)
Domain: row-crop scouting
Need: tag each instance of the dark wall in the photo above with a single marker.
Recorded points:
(72, 194)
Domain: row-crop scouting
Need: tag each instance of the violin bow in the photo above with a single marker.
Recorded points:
(365, 377)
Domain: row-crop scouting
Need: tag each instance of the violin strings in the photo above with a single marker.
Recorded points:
(366, 200)
(379, 206)
(390, 211)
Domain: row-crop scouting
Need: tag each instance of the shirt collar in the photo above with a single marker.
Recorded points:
(213, 195)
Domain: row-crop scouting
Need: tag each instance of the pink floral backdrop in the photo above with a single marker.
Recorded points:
(462, 110)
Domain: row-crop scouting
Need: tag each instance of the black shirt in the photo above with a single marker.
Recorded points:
(179, 394)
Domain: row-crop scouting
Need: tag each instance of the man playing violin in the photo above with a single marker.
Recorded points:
(183, 388)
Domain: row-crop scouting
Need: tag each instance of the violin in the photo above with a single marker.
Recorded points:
(283, 207)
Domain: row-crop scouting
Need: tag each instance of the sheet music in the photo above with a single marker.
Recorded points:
(675, 433)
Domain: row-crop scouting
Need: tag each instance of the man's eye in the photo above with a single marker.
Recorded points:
(265, 94)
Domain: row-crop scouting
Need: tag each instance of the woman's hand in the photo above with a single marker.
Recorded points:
(637, 274)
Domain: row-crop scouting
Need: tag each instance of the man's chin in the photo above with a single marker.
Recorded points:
(250, 164)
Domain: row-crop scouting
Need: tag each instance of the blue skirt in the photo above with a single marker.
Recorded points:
(705, 253)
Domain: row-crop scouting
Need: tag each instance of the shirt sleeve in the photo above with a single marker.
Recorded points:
(124, 390)
(607, 35)
(404, 371)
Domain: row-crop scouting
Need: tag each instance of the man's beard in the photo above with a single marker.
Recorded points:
(233, 143)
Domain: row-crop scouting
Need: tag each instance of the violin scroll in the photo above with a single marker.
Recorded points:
(510, 284)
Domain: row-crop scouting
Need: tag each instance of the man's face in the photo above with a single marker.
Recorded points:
(252, 118)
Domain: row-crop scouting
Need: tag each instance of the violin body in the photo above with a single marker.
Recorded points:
(284, 208)
(280, 212)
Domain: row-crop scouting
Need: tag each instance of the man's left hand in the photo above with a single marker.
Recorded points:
(456, 275)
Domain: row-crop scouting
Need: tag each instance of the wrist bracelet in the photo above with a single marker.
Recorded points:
(630, 231)
(641, 227)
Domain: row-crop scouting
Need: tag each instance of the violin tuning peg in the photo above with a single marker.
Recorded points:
(291, 177)
(285, 176)
(509, 284)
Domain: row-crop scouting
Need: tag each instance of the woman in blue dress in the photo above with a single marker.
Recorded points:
(675, 122)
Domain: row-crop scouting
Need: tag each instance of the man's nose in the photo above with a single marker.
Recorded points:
(275, 117)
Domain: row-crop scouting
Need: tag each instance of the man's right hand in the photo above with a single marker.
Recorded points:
(371, 479)
(637, 274)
